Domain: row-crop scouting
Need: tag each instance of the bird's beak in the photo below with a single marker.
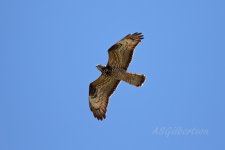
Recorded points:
(99, 68)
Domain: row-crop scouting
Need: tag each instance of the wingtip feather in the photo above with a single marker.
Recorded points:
(139, 35)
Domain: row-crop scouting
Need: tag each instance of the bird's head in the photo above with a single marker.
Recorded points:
(100, 67)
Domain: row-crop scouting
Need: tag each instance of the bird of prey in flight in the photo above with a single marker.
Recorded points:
(119, 58)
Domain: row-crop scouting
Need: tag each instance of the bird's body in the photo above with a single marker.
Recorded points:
(120, 55)
(122, 74)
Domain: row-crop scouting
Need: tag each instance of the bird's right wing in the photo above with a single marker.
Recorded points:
(99, 92)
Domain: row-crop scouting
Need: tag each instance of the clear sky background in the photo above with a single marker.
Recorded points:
(48, 53)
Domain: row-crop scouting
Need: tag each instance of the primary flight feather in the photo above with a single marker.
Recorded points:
(119, 58)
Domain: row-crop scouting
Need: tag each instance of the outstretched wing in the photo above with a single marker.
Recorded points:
(99, 92)
(120, 54)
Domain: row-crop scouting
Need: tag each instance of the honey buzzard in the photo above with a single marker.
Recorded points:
(120, 55)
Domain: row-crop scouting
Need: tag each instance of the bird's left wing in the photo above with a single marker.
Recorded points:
(120, 54)
(99, 92)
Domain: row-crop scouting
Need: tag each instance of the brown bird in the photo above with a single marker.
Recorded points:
(120, 55)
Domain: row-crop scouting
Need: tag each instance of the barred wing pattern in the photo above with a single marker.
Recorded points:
(120, 54)
(99, 92)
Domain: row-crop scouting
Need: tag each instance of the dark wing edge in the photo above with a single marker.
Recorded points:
(99, 92)
(125, 48)
(138, 36)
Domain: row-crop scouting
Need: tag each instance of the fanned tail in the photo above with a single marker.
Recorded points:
(134, 79)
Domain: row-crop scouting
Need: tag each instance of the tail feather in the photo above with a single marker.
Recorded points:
(134, 79)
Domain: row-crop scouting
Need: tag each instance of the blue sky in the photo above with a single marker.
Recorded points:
(48, 53)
